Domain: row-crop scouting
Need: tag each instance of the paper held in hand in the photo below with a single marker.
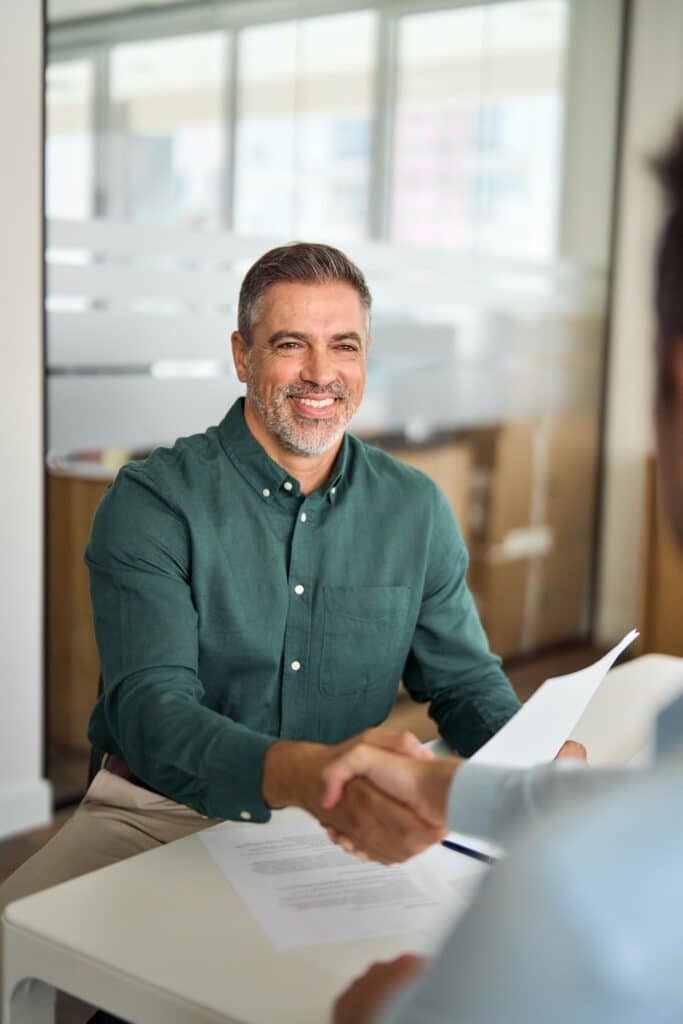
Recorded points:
(545, 722)
(535, 734)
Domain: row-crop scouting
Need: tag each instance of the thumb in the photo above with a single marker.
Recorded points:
(342, 769)
(572, 750)
(397, 742)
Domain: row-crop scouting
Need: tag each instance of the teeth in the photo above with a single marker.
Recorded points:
(316, 404)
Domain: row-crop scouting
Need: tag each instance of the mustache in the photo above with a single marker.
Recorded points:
(335, 388)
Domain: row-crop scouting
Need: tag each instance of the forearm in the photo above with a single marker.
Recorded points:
(474, 707)
(192, 754)
(496, 803)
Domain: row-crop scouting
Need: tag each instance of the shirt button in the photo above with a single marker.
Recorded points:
(265, 492)
(296, 665)
(333, 490)
(302, 517)
(298, 589)
(288, 485)
(245, 815)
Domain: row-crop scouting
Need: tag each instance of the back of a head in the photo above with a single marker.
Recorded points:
(669, 266)
(669, 312)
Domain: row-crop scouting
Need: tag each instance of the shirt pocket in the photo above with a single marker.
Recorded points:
(364, 638)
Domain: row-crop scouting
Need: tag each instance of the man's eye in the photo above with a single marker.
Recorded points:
(289, 344)
(347, 348)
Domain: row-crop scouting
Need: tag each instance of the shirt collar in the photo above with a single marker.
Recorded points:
(260, 470)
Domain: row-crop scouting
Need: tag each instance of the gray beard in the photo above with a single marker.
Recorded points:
(298, 440)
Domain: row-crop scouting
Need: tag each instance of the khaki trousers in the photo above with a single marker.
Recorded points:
(115, 820)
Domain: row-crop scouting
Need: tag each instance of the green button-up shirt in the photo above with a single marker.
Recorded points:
(231, 610)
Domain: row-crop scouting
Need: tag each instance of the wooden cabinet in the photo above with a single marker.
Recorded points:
(448, 464)
(72, 660)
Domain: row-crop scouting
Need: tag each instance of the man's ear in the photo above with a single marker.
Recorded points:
(239, 355)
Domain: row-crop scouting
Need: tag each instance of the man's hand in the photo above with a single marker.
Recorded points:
(371, 822)
(571, 750)
(422, 785)
(366, 997)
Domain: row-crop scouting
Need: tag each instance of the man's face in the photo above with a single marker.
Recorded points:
(306, 366)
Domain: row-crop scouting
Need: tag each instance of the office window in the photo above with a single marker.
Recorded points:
(69, 145)
(304, 126)
(478, 130)
(166, 144)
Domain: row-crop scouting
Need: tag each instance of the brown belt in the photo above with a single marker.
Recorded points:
(117, 766)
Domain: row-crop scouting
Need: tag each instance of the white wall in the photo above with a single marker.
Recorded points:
(654, 99)
(24, 795)
(592, 106)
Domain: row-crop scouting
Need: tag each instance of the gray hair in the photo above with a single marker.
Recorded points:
(306, 262)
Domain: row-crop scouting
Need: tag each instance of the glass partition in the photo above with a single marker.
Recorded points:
(479, 117)
(70, 139)
(304, 119)
(165, 142)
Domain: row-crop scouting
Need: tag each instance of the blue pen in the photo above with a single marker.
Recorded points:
(468, 851)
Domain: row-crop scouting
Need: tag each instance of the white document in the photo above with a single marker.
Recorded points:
(535, 734)
(304, 890)
(543, 724)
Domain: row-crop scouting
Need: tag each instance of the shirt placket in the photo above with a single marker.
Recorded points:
(296, 670)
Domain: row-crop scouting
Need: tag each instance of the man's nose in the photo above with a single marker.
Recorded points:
(318, 368)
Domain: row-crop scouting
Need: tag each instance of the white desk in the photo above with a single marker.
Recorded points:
(618, 725)
(162, 938)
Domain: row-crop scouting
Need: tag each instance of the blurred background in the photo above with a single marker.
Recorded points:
(485, 163)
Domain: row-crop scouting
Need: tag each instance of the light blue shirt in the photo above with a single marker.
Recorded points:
(584, 921)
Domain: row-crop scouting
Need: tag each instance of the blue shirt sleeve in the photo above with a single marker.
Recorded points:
(581, 923)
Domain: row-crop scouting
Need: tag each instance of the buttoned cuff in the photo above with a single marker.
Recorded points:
(472, 798)
(234, 788)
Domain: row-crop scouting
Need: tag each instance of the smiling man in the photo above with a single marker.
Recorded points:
(258, 592)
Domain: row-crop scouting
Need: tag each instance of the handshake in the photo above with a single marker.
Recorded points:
(380, 795)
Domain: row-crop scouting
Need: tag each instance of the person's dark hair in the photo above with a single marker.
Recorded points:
(669, 265)
(306, 262)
